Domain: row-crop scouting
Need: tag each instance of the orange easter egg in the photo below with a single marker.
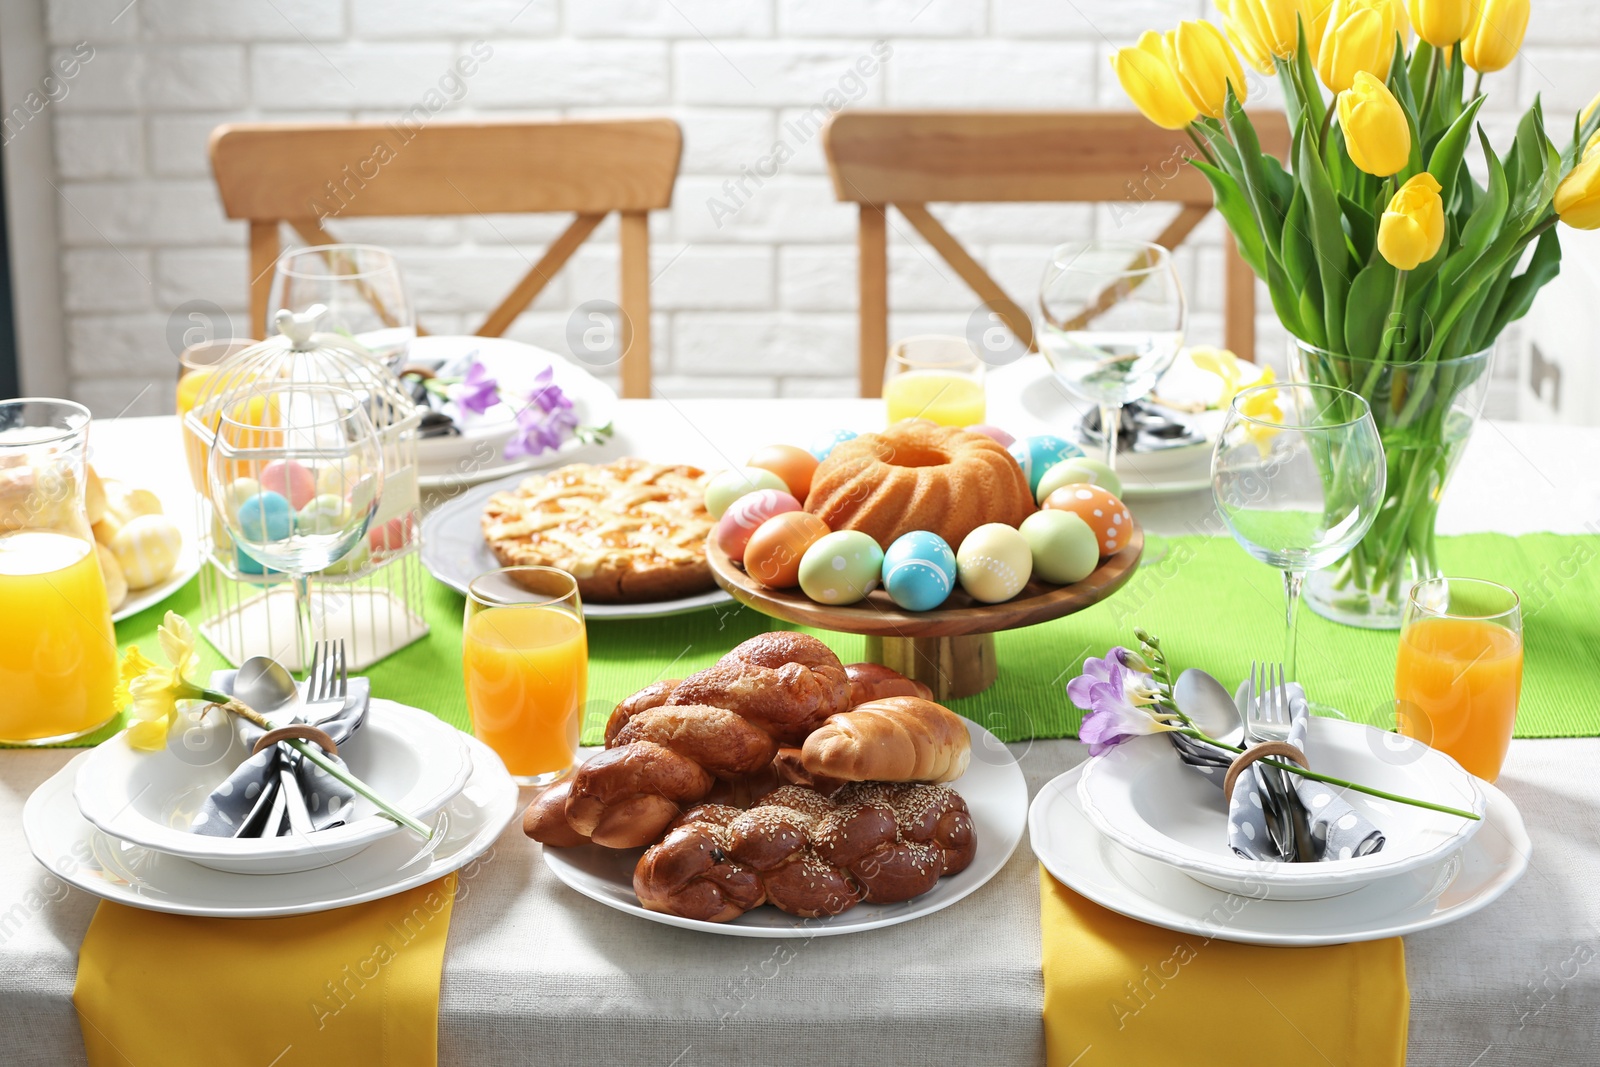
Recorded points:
(794, 465)
(1107, 516)
(773, 555)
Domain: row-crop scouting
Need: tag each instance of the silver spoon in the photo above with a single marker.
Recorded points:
(265, 685)
(1203, 699)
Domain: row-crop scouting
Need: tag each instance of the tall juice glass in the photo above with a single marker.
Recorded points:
(1459, 671)
(525, 659)
(934, 378)
(58, 652)
(198, 364)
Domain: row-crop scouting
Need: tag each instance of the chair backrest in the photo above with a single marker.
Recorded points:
(306, 173)
(910, 159)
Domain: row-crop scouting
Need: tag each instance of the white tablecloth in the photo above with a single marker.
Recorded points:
(535, 974)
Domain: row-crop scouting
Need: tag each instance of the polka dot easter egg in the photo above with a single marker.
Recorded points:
(773, 555)
(1036, 455)
(1082, 469)
(826, 443)
(745, 515)
(729, 486)
(794, 465)
(1107, 516)
(994, 563)
(919, 571)
(841, 568)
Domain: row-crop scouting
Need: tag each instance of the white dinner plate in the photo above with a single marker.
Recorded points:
(1141, 796)
(454, 551)
(1070, 848)
(77, 853)
(408, 756)
(995, 792)
(476, 454)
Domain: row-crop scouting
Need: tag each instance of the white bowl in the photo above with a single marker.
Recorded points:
(408, 756)
(1141, 796)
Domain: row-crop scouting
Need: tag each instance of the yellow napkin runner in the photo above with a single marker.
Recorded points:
(355, 985)
(1120, 993)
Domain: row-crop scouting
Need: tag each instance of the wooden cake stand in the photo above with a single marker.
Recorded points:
(949, 649)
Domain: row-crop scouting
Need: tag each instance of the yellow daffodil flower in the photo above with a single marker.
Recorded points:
(1412, 228)
(155, 690)
(1494, 40)
(1262, 405)
(1375, 128)
(1148, 73)
(1230, 368)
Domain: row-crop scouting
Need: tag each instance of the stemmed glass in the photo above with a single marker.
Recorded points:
(296, 474)
(1113, 321)
(1298, 475)
(362, 289)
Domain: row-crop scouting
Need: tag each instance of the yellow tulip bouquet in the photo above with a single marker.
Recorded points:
(1392, 265)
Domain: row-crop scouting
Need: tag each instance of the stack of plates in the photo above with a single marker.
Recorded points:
(114, 822)
(1137, 832)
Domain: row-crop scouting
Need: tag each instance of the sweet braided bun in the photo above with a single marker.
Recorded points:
(689, 872)
(651, 696)
(786, 683)
(723, 742)
(627, 797)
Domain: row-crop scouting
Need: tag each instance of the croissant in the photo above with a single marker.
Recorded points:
(897, 739)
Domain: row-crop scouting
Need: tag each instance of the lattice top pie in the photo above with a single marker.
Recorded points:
(629, 531)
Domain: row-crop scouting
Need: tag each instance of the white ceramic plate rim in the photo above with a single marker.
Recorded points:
(986, 748)
(1100, 789)
(488, 776)
(469, 506)
(426, 732)
(1081, 868)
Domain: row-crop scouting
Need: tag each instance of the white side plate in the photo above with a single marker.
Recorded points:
(995, 792)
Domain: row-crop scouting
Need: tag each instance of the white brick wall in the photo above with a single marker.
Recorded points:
(757, 304)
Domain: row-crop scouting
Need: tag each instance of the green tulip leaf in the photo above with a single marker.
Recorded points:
(1484, 225)
(1445, 162)
(1235, 211)
(1316, 110)
(1361, 227)
(1299, 255)
(1367, 314)
(1327, 237)
(1519, 293)
(1252, 166)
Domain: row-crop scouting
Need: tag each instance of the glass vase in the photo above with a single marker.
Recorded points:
(1425, 414)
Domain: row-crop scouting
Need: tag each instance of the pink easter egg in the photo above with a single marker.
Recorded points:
(994, 432)
(392, 536)
(745, 514)
(290, 479)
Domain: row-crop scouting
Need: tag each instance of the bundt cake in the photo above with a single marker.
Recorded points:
(919, 476)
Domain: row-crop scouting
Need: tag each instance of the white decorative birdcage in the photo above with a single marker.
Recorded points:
(372, 598)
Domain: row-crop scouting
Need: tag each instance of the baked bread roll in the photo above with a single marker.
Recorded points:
(786, 683)
(546, 818)
(874, 681)
(897, 739)
(723, 742)
(627, 797)
(651, 696)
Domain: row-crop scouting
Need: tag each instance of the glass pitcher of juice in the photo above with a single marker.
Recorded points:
(58, 652)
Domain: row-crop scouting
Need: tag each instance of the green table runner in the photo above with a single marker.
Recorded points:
(1212, 606)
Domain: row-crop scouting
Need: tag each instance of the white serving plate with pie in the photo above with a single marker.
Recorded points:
(77, 853)
(996, 795)
(1080, 857)
(476, 455)
(1141, 796)
(454, 551)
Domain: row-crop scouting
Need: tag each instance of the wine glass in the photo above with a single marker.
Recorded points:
(1113, 321)
(1298, 475)
(362, 289)
(296, 473)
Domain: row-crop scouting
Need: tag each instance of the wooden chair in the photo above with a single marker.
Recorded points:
(913, 158)
(305, 173)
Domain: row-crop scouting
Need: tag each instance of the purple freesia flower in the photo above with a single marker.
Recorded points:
(1117, 697)
(476, 392)
(544, 422)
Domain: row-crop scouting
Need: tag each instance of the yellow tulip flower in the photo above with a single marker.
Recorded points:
(1493, 41)
(1375, 128)
(1588, 108)
(1250, 50)
(1443, 22)
(1413, 224)
(1320, 11)
(1272, 26)
(1207, 65)
(1147, 74)
(1578, 196)
(1360, 35)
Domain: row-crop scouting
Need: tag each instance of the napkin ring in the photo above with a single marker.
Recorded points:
(1255, 752)
(300, 731)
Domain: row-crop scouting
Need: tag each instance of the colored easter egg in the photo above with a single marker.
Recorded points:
(239, 490)
(919, 570)
(1107, 516)
(794, 465)
(995, 433)
(1038, 454)
(352, 561)
(1065, 549)
(772, 556)
(323, 514)
(826, 443)
(745, 515)
(1072, 471)
(147, 549)
(392, 536)
(994, 562)
(111, 571)
(841, 568)
(248, 564)
(291, 480)
(265, 517)
(730, 485)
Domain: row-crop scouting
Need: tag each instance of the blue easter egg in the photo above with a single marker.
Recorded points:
(919, 570)
(248, 564)
(1037, 454)
(826, 443)
(265, 517)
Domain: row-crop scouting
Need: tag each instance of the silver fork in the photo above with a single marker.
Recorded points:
(1280, 717)
(327, 683)
(1260, 724)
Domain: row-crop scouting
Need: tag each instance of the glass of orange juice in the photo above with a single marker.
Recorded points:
(525, 658)
(1459, 671)
(934, 378)
(198, 363)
